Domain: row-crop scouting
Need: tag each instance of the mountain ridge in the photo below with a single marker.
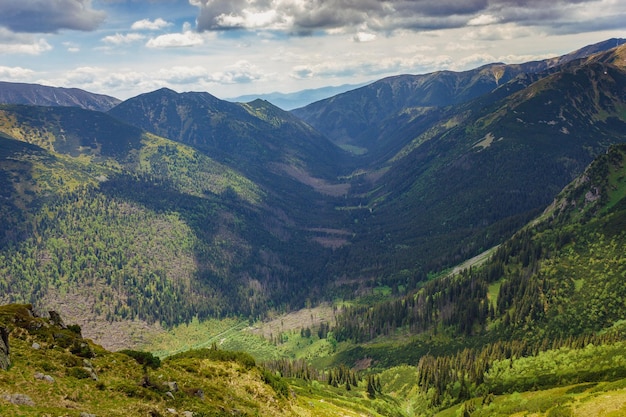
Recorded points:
(36, 94)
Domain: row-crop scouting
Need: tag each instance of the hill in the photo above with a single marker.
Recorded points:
(41, 95)
(54, 370)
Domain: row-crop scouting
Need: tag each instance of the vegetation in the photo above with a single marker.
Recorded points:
(47, 377)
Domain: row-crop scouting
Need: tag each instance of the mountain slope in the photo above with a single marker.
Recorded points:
(41, 95)
(250, 136)
(55, 371)
(546, 310)
(347, 118)
(105, 222)
(484, 170)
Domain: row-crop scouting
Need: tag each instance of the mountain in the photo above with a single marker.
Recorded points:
(290, 101)
(544, 310)
(464, 182)
(348, 118)
(41, 95)
(174, 206)
(251, 136)
(106, 222)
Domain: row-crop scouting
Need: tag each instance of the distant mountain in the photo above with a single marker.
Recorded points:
(290, 101)
(41, 95)
(349, 118)
(250, 135)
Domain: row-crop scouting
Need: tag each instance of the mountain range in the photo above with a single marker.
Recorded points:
(176, 205)
(463, 232)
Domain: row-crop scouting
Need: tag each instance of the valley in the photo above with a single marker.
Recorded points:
(443, 244)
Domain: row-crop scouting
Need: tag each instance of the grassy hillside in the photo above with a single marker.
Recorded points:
(54, 371)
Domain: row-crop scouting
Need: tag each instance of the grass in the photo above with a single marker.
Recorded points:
(208, 382)
(582, 400)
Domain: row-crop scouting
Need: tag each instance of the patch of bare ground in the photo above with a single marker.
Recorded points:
(77, 308)
(318, 184)
(296, 320)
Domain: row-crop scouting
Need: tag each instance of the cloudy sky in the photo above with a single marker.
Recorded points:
(234, 47)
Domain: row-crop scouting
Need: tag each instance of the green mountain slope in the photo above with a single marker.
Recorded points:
(109, 223)
(484, 170)
(54, 371)
(546, 310)
(248, 136)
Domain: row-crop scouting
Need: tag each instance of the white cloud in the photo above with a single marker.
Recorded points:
(483, 19)
(499, 32)
(369, 66)
(23, 45)
(364, 37)
(16, 73)
(186, 38)
(71, 47)
(147, 24)
(119, 39)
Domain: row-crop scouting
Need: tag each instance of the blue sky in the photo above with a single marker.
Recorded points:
(233, 47)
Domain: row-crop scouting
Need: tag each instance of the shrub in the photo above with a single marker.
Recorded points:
(146, 359)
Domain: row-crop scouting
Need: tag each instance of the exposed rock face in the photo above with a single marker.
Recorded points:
(5, 360)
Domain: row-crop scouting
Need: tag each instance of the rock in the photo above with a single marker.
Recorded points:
(169, 395)
(55, 318)
(19, 399)
(172, 385)
(91, 373)
(43, 377)
(5, 360)
(36, 346)
(172, 411)
(83, 414)
(199, 393)
(187, 414)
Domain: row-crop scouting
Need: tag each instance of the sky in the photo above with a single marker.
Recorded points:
(228, 48)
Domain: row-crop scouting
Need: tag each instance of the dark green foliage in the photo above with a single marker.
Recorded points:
(78, 373)
(147, 359)
(277, 383)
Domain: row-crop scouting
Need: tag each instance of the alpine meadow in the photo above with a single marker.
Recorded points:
(445, 244)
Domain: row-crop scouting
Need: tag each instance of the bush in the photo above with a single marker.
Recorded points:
(146, 359)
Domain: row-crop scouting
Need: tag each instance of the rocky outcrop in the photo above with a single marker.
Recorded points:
(5, 360)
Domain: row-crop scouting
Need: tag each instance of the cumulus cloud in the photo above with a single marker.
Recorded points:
(301, 16)
(368, 67)
(147, 24)
(186, 38)
(119, 39)
(49, 16)
(15, 73)
(21, 43)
